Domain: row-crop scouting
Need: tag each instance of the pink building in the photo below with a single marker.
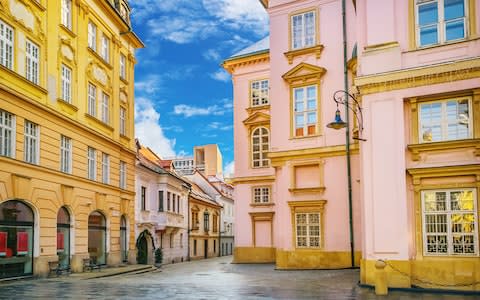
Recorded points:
(415, 180)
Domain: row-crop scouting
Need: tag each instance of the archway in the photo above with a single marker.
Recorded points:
(142, 246)
(63, 238)
(97, 238)
(16, 239)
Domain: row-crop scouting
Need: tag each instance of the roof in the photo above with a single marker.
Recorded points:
(261, 46)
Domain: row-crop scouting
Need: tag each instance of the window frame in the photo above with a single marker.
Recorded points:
(123, 66)
(105, 105)
(143, 198)
(92, 36)
(448, 212)
(105, 168)
(91, 163)
(305, 111)
(206, 221)
(262, 153)
(4, 127)
(261, 195)
(66, 146)
(123, 175)
(66, 14)
(105, 48)
(32, 158)
(66, 83)
(7, 36)
(161, 196)
(308, 225)
(92, 100)
(32, 62)
(303, 38)
(260, 91)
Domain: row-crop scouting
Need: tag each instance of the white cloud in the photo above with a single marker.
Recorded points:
(182, 29)
(212, 54)
(221, 75)
(148, 129)
(149, 85)
(219, 126)
(229, 169)
(190, 111)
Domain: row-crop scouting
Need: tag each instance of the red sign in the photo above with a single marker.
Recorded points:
(60, 242)
(22, 243)
(3, 243)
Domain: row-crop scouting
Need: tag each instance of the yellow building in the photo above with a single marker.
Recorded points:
(67, 149)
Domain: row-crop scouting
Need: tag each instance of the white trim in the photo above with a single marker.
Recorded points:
(7, 36)
(66, 84)
(11, 129)
(32, 59)
(29, 138)
(66, 154)
(92, 159)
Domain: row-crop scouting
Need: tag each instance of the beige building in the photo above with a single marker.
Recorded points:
(67, 149)
(206, 159)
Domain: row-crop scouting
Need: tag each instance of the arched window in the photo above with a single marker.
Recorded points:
(123, 239)
(63, 237)
(97, 238)
(16, 239)
(260, 146)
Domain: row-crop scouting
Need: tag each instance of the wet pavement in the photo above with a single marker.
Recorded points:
(208, 279)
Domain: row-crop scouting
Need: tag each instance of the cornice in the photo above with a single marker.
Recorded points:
(259, 57)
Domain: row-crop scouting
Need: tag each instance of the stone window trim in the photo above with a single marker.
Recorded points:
(312, 206)
(305, 41)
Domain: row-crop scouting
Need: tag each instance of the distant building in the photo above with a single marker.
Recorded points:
(206, 159)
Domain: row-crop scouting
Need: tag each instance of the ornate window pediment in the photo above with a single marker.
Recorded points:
(304, 73)
(256, 119)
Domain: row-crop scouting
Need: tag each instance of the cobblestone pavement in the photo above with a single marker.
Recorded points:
(209, 279)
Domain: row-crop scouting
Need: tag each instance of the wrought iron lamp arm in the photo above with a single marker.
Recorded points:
(347, 99)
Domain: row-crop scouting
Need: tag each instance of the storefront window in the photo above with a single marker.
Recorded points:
(123, 239)
(16, 239)
(97, 238)
(63, 238)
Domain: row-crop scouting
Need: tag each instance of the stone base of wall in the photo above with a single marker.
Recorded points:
(315, 259)
(246, 255)
(439, 272)
(40, 265)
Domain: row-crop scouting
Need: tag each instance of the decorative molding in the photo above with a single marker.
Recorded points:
(252, 179)
(308, 190)
(306, 207)
(417, 149)
(418, 174)
(317, 50)
(252, 109)
(257, 119)
(304, 73)
(66, 50)
(261, 217)
(279, 158)
(261, 57)
(100, 76)
(381, 46)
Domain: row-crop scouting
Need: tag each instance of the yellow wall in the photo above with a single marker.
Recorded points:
(199, 234)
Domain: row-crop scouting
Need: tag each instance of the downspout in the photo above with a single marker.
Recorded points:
(347, 135)
(219, 232)
(188, 225)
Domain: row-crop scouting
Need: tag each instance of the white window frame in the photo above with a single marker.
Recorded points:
(449, 212)
(92, 100)
(123, 66)
(7, 134)
(91, 163)
(262, 160)
(261, 195)
(259, 92)
(444, 119)
(440, 24)
(6, 45)
(308, 225)
(105, 51)
(304, 40)
(67, 13)
(123, 121)
(123, 175)
(32, 142)
(92, 36)
(65, 154)
(105, 108)
(32, 60)
(105, 168)
(66, 84)
(306, 111)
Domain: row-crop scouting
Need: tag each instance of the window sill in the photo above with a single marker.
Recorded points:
(23, 79)
(260, 167)
(252, 109)
(99, 122)
(309, 190)
(124, 80)
(418, 149)
(98, 57)
(67, 107)
(420, 48)
(304, 136)
(268, 204)
(290, 55)
(68, 30)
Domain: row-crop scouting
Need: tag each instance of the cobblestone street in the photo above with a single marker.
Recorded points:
(207, 279)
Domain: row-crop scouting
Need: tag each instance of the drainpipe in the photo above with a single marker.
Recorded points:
(188, 225)
(220, 232)
(347, 135)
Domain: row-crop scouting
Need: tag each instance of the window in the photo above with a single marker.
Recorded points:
(123, 121)
(123, 67)
(195, 221)
(123, 175)
(32, 60)
(168, 201)
(260, 145)
(178, 204)
(259, 92)
(67, 13)
(171, 240)
(32, 142)
(105, 168)
(160, 201)
(440, 21)
(206, 221)
(66, 84)
(105, 51)
(143, 198)
(181, 240)
(303, 30)
(92, 163)
(450, 222)
(105, 108)
(65, 154)
(261, 195)
(92, 36)
(214, 221)
(194, 247)
(305, 107)
(174, 198)
(92, 100)
(7, 134)
(445, 120)
(308, 229)
(6, 45)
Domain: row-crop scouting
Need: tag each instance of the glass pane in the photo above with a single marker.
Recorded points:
(455, 30)
(299, 121)
(15, 211)
(454, 9)
(309, 29)
(428, 35)
(427, 13)
(312, 104)
(299, 107)
(63, 217)
(312, 118)
(298, 94)
(311, 92)
(96, 219)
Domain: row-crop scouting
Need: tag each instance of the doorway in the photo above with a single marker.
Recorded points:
(142, 257)
(205, 250)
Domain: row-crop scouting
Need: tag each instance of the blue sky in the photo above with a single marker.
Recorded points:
(183, 96)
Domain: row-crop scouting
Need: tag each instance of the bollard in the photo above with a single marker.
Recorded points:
(381, 287)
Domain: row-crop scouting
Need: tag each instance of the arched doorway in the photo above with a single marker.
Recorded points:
(97, 238)
(123, 239)
(63, 238)
(16, 239)
(143, 240)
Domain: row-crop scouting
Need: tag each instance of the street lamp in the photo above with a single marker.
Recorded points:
(343, 97)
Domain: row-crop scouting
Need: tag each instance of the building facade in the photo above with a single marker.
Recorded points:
(206, 159)
(66, 135)
(418, 79)
(161, 210)
(291, 195)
